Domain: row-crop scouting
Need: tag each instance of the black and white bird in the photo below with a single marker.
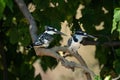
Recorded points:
(75, 41)
(44, 40)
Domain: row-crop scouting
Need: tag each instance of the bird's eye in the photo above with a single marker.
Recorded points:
(48, 29)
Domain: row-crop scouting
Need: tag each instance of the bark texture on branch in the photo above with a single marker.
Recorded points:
(29, 17)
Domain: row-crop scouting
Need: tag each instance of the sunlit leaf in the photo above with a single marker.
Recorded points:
(97, 77)
(116, 20)
(107, 77)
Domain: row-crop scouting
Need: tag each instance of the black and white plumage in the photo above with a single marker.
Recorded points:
(75, 41)
(46, 38)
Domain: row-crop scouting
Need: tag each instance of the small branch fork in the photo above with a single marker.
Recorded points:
(53, 52)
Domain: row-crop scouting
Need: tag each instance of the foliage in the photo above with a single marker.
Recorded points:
(116, 21)
(97, 77)
(14, 33)
(2, 6)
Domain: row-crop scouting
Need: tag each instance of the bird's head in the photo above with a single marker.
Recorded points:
(83, 34)
(50, 30)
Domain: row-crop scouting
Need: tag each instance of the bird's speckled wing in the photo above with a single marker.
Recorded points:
(38, 41)
(69, 42)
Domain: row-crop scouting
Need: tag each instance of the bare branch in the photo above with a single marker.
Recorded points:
(108, 44)
(68, 64)
(28, 16)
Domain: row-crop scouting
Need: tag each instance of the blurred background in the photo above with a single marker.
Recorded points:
(100, 18)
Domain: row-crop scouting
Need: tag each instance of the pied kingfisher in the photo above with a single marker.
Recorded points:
(75, 41)
(46, 38)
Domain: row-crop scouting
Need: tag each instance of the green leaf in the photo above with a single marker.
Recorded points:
(118, 27)
(23, 32)
(41, 4)
(117, 14)
(38, 77)
(116, 20)
(14, 36)
(25, 40)
(97, 77)
(118, 52)
(9, 3)
(26, 72)
(107, 77)
(117, 66)
(48, 62)
(101, 54)
(2, 7)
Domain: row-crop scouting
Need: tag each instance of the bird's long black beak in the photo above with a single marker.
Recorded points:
(58, 32)
(91, 36)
